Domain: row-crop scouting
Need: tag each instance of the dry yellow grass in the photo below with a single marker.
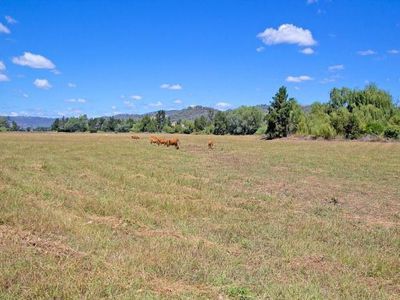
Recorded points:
(103, 216)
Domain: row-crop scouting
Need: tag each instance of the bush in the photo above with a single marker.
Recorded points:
(375, 128)
(261, 130)
(324, 130)
(392, 132)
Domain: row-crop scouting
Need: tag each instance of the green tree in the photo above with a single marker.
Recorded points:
(56, 125)
(14, 126)
(4, 126)
(200, 123)
(220, 123)
(244, 120)
(160, 120)
(278, 116)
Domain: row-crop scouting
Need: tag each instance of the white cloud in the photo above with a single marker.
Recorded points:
(287, 34)
(307, 51)
(42, 84)
(113, 107)
(298, 78)
(78, 100)
(260, 49)
(330, 79)
(2, 66)
(366, 52)
(336, 68)
(71, 85)
(222, 105)
(129, 104)
(55, 72)
(4, 29)
(13, 114)
(3, 78)
(169, 86)
(10, 20)
(156, 104)
(393, 51)
(25, 95)
(136, 97)
(178, 101)
(70, 112)
(35, 61)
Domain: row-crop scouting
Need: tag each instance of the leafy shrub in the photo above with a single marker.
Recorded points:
(261, 130)
(375, 128)
(392, 132)
(324, 130)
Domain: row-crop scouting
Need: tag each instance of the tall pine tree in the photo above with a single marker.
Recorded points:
(278, 117)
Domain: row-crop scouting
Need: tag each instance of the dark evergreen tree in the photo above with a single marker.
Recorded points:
(278, 116)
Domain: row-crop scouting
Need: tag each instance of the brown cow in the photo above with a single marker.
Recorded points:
(173, 142)
(162, 141)
(135, 137)
(210, 144)
(154, 140)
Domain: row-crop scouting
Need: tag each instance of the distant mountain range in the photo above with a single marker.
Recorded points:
(32, 122)
(189, 113)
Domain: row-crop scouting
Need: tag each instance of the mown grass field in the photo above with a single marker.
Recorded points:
(103, 216)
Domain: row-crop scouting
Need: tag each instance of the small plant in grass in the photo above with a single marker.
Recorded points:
(241, 293)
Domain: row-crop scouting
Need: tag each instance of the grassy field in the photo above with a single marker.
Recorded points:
(103, 216)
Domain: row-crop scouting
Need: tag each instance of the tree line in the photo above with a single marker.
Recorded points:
(349, 113)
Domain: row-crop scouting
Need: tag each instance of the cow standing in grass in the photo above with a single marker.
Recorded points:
(210, 144)
(135, 137)
(154, 140)
(173, 142)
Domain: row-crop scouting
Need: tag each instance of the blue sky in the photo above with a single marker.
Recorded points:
(106, 57)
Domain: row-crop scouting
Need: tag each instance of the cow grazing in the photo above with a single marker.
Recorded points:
(154, 140)
(210, 144)
(162, 141)
(135, 137)
(173, 142)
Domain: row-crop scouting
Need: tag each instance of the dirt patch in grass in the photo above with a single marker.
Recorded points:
(316, 263)
(173, 288)
(48, 246)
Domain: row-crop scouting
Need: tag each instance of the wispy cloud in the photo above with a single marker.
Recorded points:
(3, 78)
(223, 105)
(4, 29)
(260, 49)
(298, 78)
(136, 97)
(178, 101)
(34, 61)
(393, 51)
(70, 112)
(307, 51)
(333, 78)
(129, 104)
(42, 84)
(336, 68)
(78, 100)
(169, 86)
(71, 85)
(2, 66)
(366, 52)
(156, 104)
(10, 20)
(287, 34)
